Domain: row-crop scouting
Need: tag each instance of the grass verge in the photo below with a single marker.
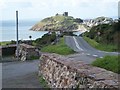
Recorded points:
(34, 57)
(110, 63)
(43, 83)
(103, 47)
(60, 48)
(5, 43)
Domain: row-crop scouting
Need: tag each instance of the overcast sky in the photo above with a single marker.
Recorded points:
(39, 9)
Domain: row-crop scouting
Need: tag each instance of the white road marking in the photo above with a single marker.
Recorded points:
(95, 55)
(77, 45)
(88, 54)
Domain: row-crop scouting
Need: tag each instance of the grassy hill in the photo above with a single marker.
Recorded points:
(58, 22)
(103, 19)
(106, 35)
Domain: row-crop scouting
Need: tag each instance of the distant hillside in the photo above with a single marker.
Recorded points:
(105, 33)
(98, 21)
(58, 22)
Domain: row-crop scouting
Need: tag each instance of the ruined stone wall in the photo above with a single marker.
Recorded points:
(61, 72)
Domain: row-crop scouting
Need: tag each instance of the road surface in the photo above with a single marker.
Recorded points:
(25, 74)
(20, 74)
(85, 51)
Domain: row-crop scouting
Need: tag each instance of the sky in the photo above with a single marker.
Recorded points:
(39, 9)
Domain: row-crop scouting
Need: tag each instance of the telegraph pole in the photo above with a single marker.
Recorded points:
(17, 53)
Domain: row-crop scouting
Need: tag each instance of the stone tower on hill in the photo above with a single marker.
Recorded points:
(65, 14)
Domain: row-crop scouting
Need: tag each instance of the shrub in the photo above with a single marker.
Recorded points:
(45, 40)
(109, 33)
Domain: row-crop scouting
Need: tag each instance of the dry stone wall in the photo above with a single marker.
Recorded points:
(60, 72)
(26, 52)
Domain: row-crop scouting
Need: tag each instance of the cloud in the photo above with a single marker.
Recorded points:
(18, 4)
(14, 4)
(57, 3)
(2, 4)
(76, 8)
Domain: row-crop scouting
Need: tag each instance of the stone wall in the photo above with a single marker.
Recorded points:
(60, 72)
(7, 50)
(27, 52)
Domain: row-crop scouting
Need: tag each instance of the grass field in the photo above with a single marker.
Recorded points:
(103, 47)
(60, 48)
(111, 63)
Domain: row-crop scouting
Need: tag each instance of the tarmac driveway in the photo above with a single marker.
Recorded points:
(20, 74)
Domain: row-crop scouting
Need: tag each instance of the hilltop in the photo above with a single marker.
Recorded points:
(57, 22)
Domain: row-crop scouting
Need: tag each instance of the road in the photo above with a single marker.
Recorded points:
(25, 74)
(20, 74)
(85, 51)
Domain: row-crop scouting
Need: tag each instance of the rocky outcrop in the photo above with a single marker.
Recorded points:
(60, 72)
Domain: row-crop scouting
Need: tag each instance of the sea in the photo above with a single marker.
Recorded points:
(8, 30)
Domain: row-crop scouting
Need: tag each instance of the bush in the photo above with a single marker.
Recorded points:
(109, 63)
(45, 40)
(109, 33)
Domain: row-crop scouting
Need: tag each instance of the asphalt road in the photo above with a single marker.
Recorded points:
(20, 74)
(85, 51)
(25, 74)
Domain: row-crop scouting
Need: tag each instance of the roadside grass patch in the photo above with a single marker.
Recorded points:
(60, 48)
(5, 43)
(91, 41)
(43, 83)
(111, 63)
(100, 46)
(34, 57)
